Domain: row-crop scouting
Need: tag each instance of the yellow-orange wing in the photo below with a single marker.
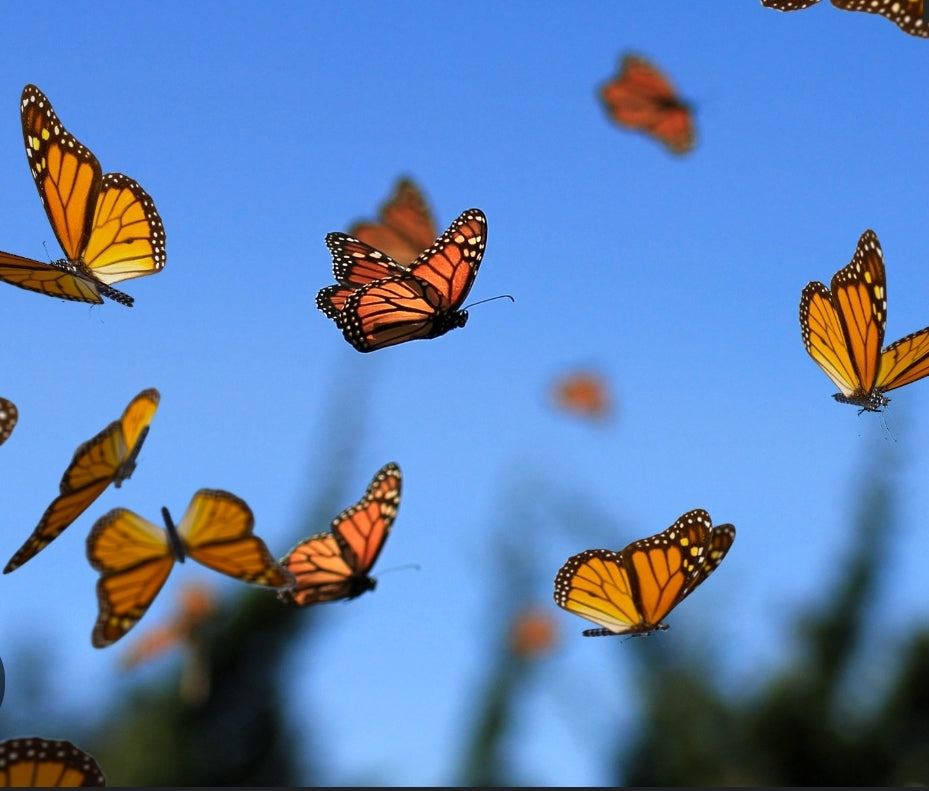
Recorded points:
(106, 224)
(109, 457)
(629, 592)
(406, 225)
(9, 414)
(216, 531)
(424, 303)
(904, 361)
(843, 329)
(134, 558)
(336, 565)
(45, 763)
(643, 99)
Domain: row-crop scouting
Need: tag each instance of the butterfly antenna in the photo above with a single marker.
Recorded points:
(400, 568)
(489, 299)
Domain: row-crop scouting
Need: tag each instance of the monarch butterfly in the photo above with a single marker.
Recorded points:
(640, 97)
(584, 393)
(335, 565)
(36, 762)
(908, 15)
(406, 226)
(135, 557)
(843, 331)
(106, 223)
(630, 591)
(9, 414)
(109, 457)
(419, 301)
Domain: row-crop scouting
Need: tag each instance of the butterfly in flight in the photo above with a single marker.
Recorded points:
(641, 98)
(135, 557)
(908, 15)
(106, 223)
(843, 331)
(9, 414)
(583, 393)
(405, 228)
(630, 591)
(335, 565)
(109, 457)
(45, 763)
(379, 302)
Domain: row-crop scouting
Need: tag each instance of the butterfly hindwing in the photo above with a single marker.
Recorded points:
(45, 763)
(631, 591)
(336, 565)
(9, 414)
(109, 457)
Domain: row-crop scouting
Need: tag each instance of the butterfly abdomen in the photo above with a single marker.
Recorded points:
(174, 540)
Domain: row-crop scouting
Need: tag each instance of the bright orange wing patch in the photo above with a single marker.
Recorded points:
(106, 223)
(643, 99)
(423, 302)
(336, 565)
(406, 226)
(630, 591)
(44, 763)
(583, 393)
(9, 414)
(843, 331)
(109, 457)
(135, 557)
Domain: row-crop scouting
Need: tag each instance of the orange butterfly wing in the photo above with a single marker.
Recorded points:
(9, 414)
(216, 531)
(629, 592)
(335, 565)
(109, 457)
(44, 763)
(424, 303)
(904, 361)
(354, 264)
(583, 393)
(843, 330)
(106, 223)
(406, 226)
(641, 98)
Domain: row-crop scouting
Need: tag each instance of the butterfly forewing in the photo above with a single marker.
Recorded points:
(904, 361)
(216, 531)
(45, 763)
(908, 15)
(406, 226)
(9, 414)
(788, 5)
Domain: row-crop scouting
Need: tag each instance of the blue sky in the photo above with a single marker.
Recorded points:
(259, 130)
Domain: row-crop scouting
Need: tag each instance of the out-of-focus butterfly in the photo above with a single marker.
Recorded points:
(630, 591)
(106, 223)
(532, 633)
(642, 98)
(406, 226)
(135, 557)
(335, 565)
(109, 457)
(9, 414)
(908, 15)
(584, 393)
(44, 763)
(419, 301)
(843, 331)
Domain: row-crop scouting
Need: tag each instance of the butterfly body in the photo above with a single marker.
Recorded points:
(842, 328)
(630, 591)
(379, 302)
(135, 556)
(106, 223)
(336, 565)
